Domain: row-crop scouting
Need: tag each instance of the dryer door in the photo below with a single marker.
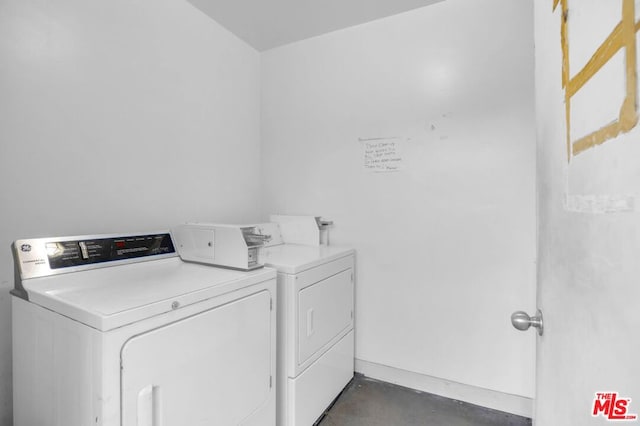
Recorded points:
(324, 312)
(213, 368)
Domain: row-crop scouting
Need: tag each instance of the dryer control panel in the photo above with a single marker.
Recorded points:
(47, 256)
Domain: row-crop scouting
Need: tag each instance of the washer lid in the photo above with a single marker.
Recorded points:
(294, 258)
(111, 297)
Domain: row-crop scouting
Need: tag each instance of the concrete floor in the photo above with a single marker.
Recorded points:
(368, 402)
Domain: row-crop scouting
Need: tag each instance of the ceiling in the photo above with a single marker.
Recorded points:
(265, 24)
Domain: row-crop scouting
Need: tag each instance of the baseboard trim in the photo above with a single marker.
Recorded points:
(514, 404)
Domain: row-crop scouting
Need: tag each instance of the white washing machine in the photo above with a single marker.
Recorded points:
(115, 330)
(315, 322)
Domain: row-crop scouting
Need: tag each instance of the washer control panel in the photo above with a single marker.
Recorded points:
(48, 256)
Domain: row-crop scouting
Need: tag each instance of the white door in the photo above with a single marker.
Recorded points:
(210, 369)
(588, 359)
(325, 310)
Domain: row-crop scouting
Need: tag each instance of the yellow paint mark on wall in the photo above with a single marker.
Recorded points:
(622, 36)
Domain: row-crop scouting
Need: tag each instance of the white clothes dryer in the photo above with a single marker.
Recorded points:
(315, 325)
(114, 330)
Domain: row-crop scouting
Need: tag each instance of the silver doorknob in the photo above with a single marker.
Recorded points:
(522, 321)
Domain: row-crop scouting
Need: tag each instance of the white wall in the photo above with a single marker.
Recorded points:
(119, 116)
(445, 247)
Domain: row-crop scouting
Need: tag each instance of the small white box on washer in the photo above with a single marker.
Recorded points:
(229, 246)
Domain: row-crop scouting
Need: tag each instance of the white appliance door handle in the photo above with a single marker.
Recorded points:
(148, 406)
(309, 322)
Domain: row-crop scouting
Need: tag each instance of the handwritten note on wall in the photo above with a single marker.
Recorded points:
(381, 155)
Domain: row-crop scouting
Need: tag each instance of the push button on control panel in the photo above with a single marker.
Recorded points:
(84, 252)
